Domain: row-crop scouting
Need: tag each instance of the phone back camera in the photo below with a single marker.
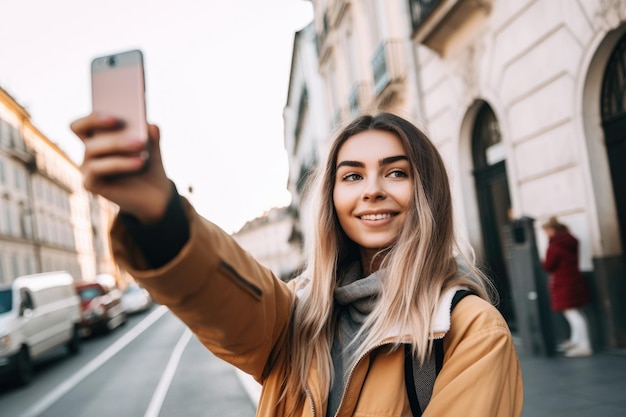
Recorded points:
(112, 61)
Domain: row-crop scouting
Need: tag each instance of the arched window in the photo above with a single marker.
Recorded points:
(487, 141)
(613, 108)
(614, 85)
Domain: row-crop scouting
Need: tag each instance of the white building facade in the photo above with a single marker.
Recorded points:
(306, 125)
(45, 214)
(268, 240)
(526, 101)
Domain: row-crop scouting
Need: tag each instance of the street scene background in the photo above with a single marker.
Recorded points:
(525, 100)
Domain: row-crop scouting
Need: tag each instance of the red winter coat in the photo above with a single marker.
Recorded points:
(567, 285)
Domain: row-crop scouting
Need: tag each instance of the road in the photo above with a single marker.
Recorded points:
(150, 367)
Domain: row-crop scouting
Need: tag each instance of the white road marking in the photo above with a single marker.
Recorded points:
(166, 379)
(97, 362)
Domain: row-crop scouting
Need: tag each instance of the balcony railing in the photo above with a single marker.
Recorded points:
(436, 21)
(420, 10)
(17, 149)
(331, 18)
(388, 65)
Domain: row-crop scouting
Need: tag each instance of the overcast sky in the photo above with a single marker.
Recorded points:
(217, 74)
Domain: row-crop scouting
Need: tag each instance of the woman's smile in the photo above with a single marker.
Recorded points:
(376, 216)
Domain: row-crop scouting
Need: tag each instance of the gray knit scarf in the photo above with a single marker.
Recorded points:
(354, 299)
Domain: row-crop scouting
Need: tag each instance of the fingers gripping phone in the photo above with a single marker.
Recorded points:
(118, 89)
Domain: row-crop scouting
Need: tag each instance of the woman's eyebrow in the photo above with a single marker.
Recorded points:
(385, 161)
(354, 164)
(392, 159)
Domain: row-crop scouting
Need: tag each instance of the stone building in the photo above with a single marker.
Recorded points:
(267, 239)
(526, 101)
(306, 125)
(45, 213)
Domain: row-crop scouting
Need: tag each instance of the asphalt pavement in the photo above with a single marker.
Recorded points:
(593, 386)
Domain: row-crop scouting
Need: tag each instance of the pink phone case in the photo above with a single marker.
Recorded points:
(118, 89)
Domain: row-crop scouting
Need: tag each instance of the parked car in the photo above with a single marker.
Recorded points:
(38, 313)
(136, 299)
(101, 308)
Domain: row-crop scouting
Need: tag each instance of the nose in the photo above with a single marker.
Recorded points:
(373, 190)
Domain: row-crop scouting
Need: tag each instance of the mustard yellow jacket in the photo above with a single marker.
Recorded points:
(241, 312)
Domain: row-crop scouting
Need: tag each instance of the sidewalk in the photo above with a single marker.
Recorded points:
(556, 386)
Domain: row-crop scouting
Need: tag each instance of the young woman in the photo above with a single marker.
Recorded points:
(383, 269)
(568, 291)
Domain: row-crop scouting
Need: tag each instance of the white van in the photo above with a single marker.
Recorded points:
(38, 313)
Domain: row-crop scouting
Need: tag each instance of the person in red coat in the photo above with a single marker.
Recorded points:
(568, 291)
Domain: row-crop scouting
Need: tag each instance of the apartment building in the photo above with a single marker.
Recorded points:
(525, 101)
(269, 240)
(306, 125)
(45, 213)
(365, 58)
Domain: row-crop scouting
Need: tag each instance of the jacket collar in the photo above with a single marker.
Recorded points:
(440, 324)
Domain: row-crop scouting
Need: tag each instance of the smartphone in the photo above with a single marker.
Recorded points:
(118, 89)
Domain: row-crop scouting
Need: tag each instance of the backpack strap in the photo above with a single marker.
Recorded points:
(419, 379)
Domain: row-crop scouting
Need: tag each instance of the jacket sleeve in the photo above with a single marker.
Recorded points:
(481, 374)
(551, 262)
(234, 305)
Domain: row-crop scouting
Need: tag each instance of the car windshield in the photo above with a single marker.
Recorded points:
(6, 300)
(89, 293)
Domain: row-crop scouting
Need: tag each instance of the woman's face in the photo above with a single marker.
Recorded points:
(373, 188)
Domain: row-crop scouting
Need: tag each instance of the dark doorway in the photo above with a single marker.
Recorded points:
(614, 123)
(494, 204)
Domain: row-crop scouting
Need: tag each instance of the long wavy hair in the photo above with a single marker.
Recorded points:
(421, 264)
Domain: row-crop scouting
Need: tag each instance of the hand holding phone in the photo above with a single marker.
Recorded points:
(117, 137)
(118, 89)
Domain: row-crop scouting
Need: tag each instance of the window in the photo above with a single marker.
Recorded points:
(15, 263)
(614, 84)
(488, 147)
(26, 267)
(30, 266)
(19, 179)
(26, 221)
(27, 299)
(3, 176)
(3, 132)
(13, 136)
(8, 218)
(6, 300)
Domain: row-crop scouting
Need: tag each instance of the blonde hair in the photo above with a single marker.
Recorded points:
(418, 267)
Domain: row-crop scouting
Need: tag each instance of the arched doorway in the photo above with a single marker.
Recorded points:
(614, 124)
(494, 203)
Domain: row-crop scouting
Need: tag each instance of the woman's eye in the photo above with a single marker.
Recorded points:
(398, 173)
(351, 177)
